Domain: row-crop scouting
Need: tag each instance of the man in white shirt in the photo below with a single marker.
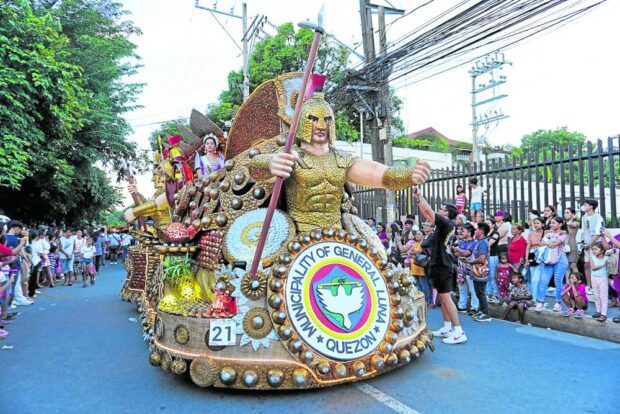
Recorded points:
(115, 245)
(67, 249)
(126, 242)
(476, 198)
(591, 225)
(36, 257)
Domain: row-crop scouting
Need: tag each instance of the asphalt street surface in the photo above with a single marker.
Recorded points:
(76, 351)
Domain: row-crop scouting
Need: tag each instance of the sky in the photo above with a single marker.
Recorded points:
(565, 77)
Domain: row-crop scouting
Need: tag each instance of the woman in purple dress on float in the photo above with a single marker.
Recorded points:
(210, 161)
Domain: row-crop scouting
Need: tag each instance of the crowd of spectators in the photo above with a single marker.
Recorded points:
(35, 258)
(515, 265)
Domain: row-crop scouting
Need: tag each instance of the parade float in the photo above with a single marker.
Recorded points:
(241, 288)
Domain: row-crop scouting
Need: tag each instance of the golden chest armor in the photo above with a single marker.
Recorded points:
(314, 189)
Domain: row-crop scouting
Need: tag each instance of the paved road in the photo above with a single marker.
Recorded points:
(75, 351)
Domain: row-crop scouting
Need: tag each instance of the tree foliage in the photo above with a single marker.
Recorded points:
(62, 94)
(39, 94)
(550, 139)
(287, 51)
(284, 52)
(165, 130)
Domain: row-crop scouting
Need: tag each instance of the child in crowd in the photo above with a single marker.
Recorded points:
(520, 297)
(600, 286)
(4, 285)
(53, 259)
(461, 199)
(574, 296)
(88, 267)
(503, 270)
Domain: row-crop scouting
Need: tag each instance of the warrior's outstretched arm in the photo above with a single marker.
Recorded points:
(147, 207)
(373, 174)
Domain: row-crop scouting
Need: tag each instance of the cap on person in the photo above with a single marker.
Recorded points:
(592, 202)
(500, 213)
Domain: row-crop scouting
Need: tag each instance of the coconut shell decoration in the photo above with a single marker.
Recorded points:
(177, 233)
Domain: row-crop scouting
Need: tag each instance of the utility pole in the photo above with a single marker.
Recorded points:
(488, 65)
(248, 33)
(384, 93)
(378, 99)
(384, 108)
(368, 37)
(246, 57)
(376, 144)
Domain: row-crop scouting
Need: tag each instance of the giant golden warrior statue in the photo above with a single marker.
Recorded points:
(316, 172)
(324, 306)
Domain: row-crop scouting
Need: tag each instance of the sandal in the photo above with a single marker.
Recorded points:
(602, 318)
(84, 285)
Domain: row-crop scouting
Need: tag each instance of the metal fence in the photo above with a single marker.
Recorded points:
(561, 177)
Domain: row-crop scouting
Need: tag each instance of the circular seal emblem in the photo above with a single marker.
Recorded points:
(337, 300)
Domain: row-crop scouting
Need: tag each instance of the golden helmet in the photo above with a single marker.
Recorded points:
(315, 108)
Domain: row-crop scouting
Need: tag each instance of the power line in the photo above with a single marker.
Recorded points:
(560, 21)
(480, 25)
(434, 58)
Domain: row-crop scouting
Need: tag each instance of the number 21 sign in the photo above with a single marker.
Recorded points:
(222, 332)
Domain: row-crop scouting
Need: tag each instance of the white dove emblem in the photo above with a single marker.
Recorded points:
(342, 304)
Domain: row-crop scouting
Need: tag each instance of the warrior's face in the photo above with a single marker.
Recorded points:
(316, 122)
(320, 130)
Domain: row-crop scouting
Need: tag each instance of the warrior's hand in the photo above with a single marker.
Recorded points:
(132, 188)
(129, 215)
(420, 172)
(282, 164)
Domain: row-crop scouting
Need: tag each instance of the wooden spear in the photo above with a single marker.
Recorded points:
(277, 187)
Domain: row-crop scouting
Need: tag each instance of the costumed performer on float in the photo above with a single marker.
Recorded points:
(315, 172)
(210, 161)
(171, 173)
(157, 207)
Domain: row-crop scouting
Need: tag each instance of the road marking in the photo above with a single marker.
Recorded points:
(385, 399)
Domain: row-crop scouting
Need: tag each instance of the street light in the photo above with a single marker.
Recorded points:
(361, 111)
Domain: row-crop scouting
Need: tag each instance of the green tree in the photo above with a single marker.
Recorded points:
(549, 139)
(165, 130)
(114, 218)
(287, 51)
(41, 98)
(62, 96)
(284, 52)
